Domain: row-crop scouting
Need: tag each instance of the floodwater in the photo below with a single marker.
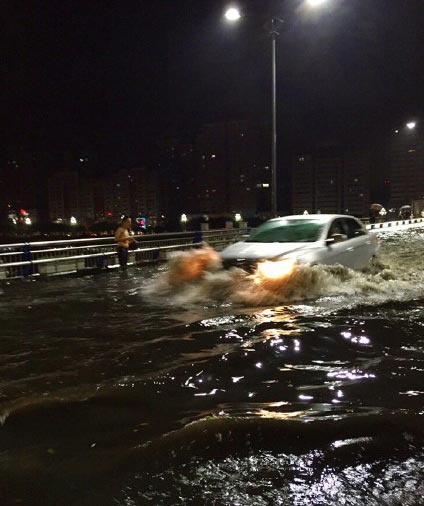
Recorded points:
(133, 389)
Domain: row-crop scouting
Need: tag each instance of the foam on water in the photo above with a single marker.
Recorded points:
(195, 277)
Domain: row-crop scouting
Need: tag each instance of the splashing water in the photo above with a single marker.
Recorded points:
(197, 277)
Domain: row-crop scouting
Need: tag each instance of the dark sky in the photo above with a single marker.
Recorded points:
(105, 77)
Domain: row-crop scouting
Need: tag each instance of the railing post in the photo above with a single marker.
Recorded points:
(100, 262)
(197, 237)
(26, 256)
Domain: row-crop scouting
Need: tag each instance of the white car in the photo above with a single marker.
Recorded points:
(312, 239)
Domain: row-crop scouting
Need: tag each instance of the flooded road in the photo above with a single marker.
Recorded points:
(126, 389)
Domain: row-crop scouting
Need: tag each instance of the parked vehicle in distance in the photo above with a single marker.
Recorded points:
(279, 244)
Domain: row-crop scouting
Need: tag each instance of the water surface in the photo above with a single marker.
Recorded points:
(121, 389)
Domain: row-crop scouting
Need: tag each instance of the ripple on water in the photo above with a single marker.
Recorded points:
(112, 380)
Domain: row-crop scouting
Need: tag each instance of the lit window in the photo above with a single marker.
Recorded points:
(301, 158)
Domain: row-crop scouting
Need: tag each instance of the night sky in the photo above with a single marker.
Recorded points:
(104, 78)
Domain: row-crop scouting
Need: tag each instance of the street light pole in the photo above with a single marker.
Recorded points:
(233, 15)
(274, 34)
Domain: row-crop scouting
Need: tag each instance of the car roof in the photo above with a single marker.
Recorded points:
(318, 217)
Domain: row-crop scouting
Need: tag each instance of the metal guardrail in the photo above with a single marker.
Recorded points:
(390, 225)
(89, 254)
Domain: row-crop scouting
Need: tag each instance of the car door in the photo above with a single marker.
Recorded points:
(358, 244)
(336, 252)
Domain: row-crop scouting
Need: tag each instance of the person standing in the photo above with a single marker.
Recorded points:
(123, 240)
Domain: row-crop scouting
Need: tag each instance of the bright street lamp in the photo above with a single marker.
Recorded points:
(232, 14)
(316, 3)
(411, 125)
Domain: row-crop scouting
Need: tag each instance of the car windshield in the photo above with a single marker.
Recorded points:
(287, 231)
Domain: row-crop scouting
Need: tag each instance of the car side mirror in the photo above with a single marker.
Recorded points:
(335, 238)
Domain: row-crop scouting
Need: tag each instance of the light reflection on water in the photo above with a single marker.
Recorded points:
(94, 371)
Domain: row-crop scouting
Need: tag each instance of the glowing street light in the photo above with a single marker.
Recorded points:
(411, 125)
(238, 217)
(183, 221)
(73, 220)
(316, 3)
(232, 14)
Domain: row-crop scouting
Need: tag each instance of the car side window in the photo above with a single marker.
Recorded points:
(336, 228)
(353, 228)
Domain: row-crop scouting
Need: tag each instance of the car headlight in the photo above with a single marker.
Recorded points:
(274, 269)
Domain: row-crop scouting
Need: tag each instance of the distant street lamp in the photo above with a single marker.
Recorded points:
(238, 217)
(183, 221)
(316, 3)
(232, 15)
(411, 125)
(73, 220)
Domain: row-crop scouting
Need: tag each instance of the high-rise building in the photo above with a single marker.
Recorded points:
(143, 193)
(71, 196)
(357, 182)
(175, 177)
(328, 181)
(232, 157)
(64, 198)
(407, 164)
(22, 185)
(331, 180)
(131, 192)
(303, 184)
(117, 194)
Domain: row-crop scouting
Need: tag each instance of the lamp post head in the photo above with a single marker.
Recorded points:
(316, 3)
(232, 14)
(411, 125)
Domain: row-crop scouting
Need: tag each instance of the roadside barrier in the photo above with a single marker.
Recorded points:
(393, 224)
(46, 258)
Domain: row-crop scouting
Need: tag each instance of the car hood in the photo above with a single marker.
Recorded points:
(262, 250)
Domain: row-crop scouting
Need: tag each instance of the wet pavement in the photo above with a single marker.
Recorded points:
(125, 389)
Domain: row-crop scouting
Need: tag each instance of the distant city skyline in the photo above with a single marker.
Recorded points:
(225, 171)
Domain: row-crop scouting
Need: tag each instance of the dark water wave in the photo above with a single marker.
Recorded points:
(122, 390)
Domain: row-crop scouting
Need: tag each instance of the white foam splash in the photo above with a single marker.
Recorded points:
(195, 277)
